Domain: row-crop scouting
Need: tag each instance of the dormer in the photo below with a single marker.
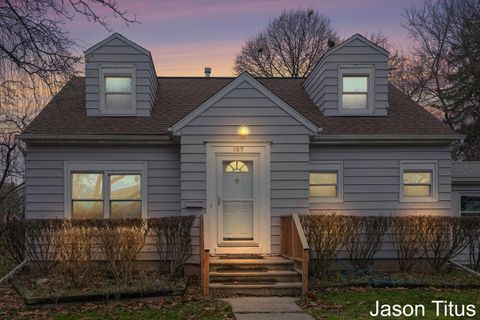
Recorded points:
(351, 79)
(120, 78)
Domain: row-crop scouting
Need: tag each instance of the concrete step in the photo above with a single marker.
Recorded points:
(250, 265)
(255, 276)
(257, 289)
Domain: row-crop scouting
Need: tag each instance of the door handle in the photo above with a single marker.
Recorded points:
(218, 200)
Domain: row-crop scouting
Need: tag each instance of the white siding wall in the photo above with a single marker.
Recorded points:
(267, 122)
(45, 180)
(322, 84)
(120, 53)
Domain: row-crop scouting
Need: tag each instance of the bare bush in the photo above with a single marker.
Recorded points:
(13, 240)
(120, 242)
(474, 244)
(75, 248)
(41, 243)
(173, 241)
(443, 238)
(326, 233)
(405, 234)
(364, 239)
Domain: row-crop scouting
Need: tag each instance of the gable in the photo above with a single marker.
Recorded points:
(245, 99)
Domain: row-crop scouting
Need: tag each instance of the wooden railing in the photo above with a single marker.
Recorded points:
(204, 259)
(294, 246)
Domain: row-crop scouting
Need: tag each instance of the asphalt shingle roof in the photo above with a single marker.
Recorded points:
(176, 97)
(466, 169)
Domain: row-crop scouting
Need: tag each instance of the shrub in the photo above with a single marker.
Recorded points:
(474, 244)
(75, 246)
(120, 242)
(13, 240)
(443, 238)
(364, 239)
(173, 241)
(326, 233)
(405, 234)
(41, 243)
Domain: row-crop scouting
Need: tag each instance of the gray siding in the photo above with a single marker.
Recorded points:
(322, 84)
(45, 181)
(267, 122)
(119, 53)
(457, 190)
(371, 179)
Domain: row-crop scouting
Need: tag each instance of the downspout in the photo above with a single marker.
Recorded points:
(14, 270)
(468, 270)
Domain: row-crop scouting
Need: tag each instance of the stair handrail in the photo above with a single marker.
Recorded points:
(204, 259)
(294, 245)
(301, 234)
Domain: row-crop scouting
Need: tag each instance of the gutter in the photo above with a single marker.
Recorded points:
(13, 271)
(92, 138)
(388, 139)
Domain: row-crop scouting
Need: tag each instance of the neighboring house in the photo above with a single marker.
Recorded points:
(243, 151)
(466, 188)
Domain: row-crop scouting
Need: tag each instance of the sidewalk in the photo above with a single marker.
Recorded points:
(267, 308)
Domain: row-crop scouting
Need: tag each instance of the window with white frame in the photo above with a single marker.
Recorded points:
(117, 90)
(470, 205)
(356, 90)
(97, 191)
(326, 182)
(418, 181)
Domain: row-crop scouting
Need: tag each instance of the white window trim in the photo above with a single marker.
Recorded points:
(117, 70)
(465, 194)
(357, 70)
(323, 166)
(107, 168)
(416, 165)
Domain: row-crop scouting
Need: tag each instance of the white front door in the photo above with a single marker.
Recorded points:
(238, 198)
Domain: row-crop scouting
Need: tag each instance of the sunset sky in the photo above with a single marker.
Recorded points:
(184, 36)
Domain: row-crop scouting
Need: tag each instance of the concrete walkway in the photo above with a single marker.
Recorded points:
(267, 308)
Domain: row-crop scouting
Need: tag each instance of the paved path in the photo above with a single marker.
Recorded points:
(267, 308)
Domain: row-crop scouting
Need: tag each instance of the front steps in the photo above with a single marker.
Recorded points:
(254, 276)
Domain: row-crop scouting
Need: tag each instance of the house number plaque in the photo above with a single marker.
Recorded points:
(238, 149)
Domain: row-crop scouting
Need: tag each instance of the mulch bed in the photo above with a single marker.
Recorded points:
(54, 288)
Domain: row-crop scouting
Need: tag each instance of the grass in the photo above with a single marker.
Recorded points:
(356, 303)
(195, 309)
(450, 278)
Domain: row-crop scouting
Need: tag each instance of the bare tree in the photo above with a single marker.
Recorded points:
(445, 37)
(404, 71)
(36, 57)
(290, 46)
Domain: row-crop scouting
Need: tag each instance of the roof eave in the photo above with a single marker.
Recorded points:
(445, 139)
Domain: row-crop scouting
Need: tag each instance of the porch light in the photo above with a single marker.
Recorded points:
(243, 130)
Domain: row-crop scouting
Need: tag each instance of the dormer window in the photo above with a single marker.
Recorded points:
(356, 90)
(117, 90)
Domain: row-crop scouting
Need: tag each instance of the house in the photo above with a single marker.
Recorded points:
(239, 151)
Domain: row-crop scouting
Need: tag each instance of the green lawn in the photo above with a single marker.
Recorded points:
(195, 309)
(356, 303)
